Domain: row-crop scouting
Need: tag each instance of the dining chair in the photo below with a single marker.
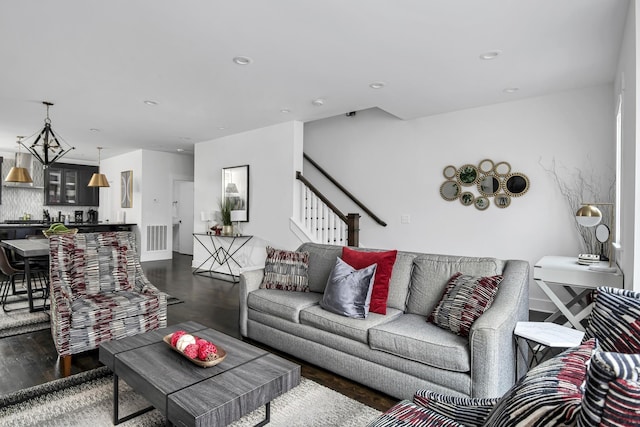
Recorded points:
(9, 273)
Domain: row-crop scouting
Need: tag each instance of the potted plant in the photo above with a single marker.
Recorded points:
(225, 214)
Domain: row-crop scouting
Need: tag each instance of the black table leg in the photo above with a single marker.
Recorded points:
(267, 415)
(116, 418)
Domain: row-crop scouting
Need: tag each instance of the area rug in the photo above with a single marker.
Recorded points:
(87, 398)
(21, 321)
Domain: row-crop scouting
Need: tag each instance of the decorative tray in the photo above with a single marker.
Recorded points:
(49, 233)
(202, 363)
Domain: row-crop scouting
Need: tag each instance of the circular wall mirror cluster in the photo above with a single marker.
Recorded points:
(488, 178)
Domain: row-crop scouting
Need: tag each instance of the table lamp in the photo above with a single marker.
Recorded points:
(237, 216)
(589, 216)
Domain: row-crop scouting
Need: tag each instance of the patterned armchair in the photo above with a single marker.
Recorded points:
(99, 292)
(596, 383)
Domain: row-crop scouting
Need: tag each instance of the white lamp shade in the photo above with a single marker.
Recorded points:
(588, 216)
(238, 215)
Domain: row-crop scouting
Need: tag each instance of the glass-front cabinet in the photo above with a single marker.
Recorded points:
(66, 184)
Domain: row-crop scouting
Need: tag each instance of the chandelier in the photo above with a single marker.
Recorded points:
(46, 146)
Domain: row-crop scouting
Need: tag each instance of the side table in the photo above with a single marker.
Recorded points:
(544, 336)
(552, 273)
(221, 252)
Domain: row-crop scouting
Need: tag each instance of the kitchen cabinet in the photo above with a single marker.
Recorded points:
(66, 184)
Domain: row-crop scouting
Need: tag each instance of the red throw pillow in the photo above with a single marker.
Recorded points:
(385, 261)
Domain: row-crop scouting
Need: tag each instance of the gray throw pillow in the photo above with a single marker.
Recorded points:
(348, 290)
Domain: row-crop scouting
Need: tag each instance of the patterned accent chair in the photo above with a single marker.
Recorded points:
(596, 383)
(99, 292)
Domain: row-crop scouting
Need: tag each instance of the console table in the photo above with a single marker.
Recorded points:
(222, 251)
(553, 273)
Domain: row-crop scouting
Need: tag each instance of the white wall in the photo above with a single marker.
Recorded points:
(395, 168)
(273, 154)
(153, 176)
(626, 83)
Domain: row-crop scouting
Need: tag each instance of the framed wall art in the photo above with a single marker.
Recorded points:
(126, 189)
(235, 190)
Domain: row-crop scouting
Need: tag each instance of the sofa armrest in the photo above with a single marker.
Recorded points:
(249, 281)
(493, 353)
(471, 412)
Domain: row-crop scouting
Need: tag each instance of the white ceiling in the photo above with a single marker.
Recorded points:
(98, 61)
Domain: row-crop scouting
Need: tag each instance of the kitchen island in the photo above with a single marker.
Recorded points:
(24, 229)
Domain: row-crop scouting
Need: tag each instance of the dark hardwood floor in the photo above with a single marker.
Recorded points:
(31, 359)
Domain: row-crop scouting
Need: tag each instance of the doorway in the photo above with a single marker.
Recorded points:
(182, 217)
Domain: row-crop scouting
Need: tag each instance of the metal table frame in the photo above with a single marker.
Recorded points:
(220, 254)
(28, 249)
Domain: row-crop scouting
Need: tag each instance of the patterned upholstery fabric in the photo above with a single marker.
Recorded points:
(99, 291)
(407, 413)
(464, 300)
(549, 395)
(286, 270)
(612, 391)
(468, 411)
(615, 320)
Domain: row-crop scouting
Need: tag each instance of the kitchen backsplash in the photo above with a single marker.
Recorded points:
(18, 200)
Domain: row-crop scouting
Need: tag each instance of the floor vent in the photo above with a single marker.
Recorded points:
(156, 238)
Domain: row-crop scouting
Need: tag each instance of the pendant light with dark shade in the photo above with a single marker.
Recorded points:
(98, 179)
(18, 173)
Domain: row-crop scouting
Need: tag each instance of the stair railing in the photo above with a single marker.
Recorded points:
(323, 220)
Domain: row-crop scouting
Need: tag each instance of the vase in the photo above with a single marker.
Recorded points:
(227, 230)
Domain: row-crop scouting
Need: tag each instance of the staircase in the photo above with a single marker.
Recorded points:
(320, 221)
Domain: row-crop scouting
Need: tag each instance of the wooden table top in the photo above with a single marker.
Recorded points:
(246, 379)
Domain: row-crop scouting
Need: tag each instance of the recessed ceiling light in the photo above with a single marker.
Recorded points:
(242, 60)
(221, 128)
(185, 138)
(511, 90)
(180, 150)
(490, 55)
(377, 85)
(150, 102)
(94, 130)
(285, 111)
(319, 102)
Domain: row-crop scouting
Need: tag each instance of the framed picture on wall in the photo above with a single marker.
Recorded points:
(235, 190)
(126, 189)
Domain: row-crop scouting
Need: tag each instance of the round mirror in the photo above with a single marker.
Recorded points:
(486, 166)
(502, 168)
(468, 175)
(488, 185)
(467, 198)
(516, 184)
(502, 200)
(449, 172)
(602, 233)
(450, 190)
(481, 203)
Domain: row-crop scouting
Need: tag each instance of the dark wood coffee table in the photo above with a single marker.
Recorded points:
(189, 395)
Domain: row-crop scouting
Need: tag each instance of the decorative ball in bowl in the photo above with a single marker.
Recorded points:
(197, 350)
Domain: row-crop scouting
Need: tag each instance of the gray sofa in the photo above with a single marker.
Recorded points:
(399, 352)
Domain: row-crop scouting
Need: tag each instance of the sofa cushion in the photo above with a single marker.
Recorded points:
(549, 394)
(94, 310)
(431, 273)
(357, 329)
(286, 270)
(286, 305)
(410, 337)
(322, 258)
(615, 320)
(464, 300)
(612, 391)
(400, 280)
(348, 291)
(384, 260)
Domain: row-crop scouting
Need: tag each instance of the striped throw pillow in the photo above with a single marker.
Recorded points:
(286, 270)
(465, 299)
